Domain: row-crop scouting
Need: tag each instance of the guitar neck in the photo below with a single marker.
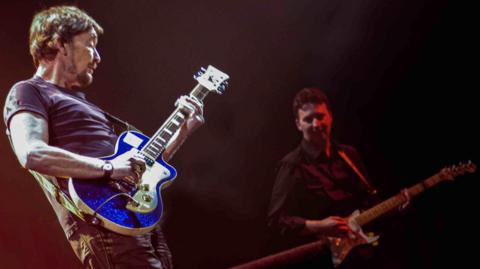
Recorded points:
(157, 144)
(397, 200)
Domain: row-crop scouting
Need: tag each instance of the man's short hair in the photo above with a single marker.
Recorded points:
(309, 95)
(59, 22)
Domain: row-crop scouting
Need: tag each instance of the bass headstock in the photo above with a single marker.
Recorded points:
(451, 172)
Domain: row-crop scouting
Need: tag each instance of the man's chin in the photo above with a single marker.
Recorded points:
(85, 80)
(319, 140)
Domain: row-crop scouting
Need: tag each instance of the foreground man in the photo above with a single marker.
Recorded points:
(55, 131)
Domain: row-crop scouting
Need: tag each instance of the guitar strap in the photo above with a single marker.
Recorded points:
(363, 179)
(123, 124)
(50, 184)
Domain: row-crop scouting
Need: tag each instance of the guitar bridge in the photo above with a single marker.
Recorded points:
(142, 202)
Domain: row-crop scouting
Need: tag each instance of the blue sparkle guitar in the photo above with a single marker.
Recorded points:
(138, 210)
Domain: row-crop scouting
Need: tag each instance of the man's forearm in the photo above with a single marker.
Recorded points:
(172, 147)
(58, 162)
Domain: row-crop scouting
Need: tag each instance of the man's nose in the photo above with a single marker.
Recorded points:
(316, 123)
(96, 56)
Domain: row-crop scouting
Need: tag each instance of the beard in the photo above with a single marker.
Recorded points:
(84, 79)
(80, 79)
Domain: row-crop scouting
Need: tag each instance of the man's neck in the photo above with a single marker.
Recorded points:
(322, 148)
(52, 72)
(327, 149)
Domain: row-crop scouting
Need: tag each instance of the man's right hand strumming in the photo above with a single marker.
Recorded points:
(127, 172)
(331, 226)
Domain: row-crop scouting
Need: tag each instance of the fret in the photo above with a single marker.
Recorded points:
(173, 128)
(180, 115)
(199, 92)
(168, 132)
(156, 149)
(150, 152)
(149, 159)
(200, 95)
(156, 144)
(165, 135)
(419, 188)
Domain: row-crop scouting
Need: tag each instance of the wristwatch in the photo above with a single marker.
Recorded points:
(107, 168)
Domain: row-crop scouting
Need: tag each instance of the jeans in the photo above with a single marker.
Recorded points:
(97, 247)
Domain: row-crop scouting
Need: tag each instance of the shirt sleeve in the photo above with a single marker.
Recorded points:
(279, 220)
(24, 97)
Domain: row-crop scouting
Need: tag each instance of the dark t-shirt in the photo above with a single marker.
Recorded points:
(74, 124)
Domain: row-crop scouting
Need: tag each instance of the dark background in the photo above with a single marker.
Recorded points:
(401, 76)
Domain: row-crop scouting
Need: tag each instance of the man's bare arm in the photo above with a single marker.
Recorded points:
(195, 119)
(29, 133)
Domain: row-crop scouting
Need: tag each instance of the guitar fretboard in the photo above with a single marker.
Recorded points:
(397, 200)
(157, 144)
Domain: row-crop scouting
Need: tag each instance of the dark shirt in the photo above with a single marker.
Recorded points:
(310, 185)
(74, 124)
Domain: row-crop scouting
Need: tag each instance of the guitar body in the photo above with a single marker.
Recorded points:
(134, 210)
(340, 247)
(115, 209)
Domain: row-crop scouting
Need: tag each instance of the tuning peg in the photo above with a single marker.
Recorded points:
(199, 73)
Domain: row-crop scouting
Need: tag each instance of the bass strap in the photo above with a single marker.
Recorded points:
(363, 179)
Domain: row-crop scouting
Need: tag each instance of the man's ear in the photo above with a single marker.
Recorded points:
(297, 122)
(59, 46)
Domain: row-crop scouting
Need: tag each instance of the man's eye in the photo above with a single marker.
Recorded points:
(308, 119)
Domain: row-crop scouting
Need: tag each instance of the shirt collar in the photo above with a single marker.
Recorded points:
(313, 152)
(78, 94)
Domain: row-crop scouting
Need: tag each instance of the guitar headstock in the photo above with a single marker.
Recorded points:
(453, 171)
(212, 79)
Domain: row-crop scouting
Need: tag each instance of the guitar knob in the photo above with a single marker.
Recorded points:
(147, 198)
(144, 187)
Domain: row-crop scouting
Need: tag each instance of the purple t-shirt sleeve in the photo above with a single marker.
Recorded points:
(24, 97)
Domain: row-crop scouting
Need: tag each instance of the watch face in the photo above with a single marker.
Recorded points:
(107, 166)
